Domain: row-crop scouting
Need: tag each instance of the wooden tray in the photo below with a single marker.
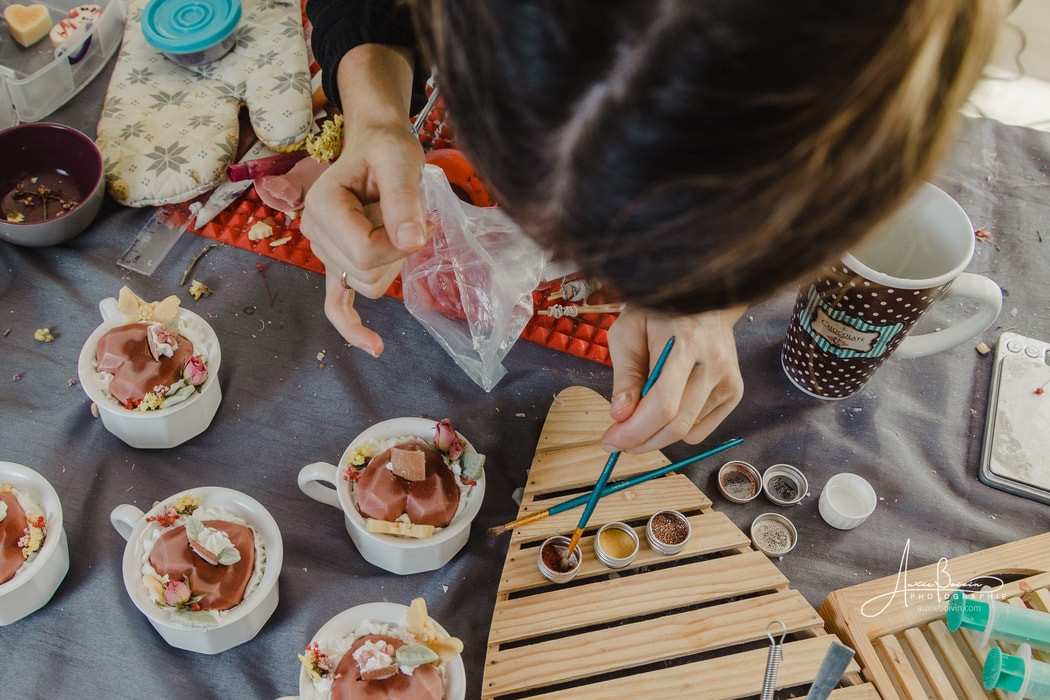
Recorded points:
(691, 625)
(896, 624)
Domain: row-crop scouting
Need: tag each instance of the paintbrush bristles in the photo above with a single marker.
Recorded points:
(576, 535)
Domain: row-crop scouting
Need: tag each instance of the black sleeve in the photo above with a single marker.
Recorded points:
(340, 25)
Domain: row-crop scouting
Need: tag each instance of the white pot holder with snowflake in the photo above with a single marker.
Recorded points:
(168, 132)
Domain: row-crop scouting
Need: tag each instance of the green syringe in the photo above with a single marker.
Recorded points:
(998, 619)
(1019, 675)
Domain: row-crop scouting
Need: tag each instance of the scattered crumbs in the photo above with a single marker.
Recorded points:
(44, 335)
(973, 412)
(260, 230)
(320, 355)
(304, 569)
(17, 377)
(94, 409)
(280, 241)
(1013, 312)
(519, 415)
(983, 349)
(628, 495)
(7, 332)
(72, 382)
(444, 588)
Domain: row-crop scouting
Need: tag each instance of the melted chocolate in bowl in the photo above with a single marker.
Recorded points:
(49, 155)
(41, 196)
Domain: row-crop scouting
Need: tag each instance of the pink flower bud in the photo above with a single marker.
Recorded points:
(446, 440)
(195, 371)
(176, 592)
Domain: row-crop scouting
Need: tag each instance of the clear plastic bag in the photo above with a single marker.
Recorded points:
(471, 285)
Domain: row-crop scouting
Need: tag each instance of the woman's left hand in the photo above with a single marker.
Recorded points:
(699, 386)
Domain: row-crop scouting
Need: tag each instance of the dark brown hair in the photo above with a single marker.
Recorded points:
(697, 154)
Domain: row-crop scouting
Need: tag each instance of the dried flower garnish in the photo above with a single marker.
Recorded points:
(186, 504)
(195, 371)
(165, 518)
(446, 440)
(15, 217)
(317, 663)
(172, 594)
(198, 289)
(325, 146)
(150, 402)
(44, 335)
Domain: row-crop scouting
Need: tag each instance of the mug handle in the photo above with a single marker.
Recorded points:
(108, 308)
(968, 285)
(124, 518)
(312, 478)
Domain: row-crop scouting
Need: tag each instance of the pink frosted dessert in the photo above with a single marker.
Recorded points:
(382, 660)
(22, 531)
(407, 486)
(155, 360)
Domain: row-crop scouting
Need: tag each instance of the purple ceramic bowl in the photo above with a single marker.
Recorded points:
(51, 183)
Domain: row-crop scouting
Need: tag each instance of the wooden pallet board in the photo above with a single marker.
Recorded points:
(896, 624)
(691, 625)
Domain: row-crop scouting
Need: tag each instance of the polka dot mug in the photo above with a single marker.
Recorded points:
(858, 311)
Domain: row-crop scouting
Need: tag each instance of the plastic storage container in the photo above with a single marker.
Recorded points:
(191, 32)
(36, 81)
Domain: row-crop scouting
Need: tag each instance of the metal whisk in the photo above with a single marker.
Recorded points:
(776, 648)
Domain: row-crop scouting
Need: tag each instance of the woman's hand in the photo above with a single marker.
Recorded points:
(699, 386)
(364, 215)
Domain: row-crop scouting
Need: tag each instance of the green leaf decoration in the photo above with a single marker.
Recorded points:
(193, 527)
(228, 555)
(471, 464)
(414, 655)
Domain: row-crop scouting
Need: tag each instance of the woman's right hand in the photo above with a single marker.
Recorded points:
(379, 168)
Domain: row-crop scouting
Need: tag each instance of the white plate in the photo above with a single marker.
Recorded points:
(344, 624)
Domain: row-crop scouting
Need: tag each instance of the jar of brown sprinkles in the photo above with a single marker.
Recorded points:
(668, 531)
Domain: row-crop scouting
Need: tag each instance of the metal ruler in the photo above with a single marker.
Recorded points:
(155, 240)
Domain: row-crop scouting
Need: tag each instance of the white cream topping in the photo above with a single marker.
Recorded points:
(163, 348)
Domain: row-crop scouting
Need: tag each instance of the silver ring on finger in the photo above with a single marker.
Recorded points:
(346, 286)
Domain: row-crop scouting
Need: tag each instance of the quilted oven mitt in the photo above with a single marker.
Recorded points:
(168, 132)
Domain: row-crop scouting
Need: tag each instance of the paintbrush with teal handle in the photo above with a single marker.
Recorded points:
(613, 488)
(603, 478)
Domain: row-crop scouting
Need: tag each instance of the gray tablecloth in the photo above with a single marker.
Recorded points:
(915, 432)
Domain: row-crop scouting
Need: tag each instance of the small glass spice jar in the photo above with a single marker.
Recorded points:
(552, 563)
(616, 544)
(668, 531)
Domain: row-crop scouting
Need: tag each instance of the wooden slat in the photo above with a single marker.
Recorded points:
(574, 468)
(712, 532)
(866, 691)
(634, 596)
(960, 668)
(515, 669)
(900, 666)
(735, 676)
(930, 665)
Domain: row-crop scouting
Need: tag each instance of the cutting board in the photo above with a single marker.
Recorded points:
(896, 624)
(689, 625)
